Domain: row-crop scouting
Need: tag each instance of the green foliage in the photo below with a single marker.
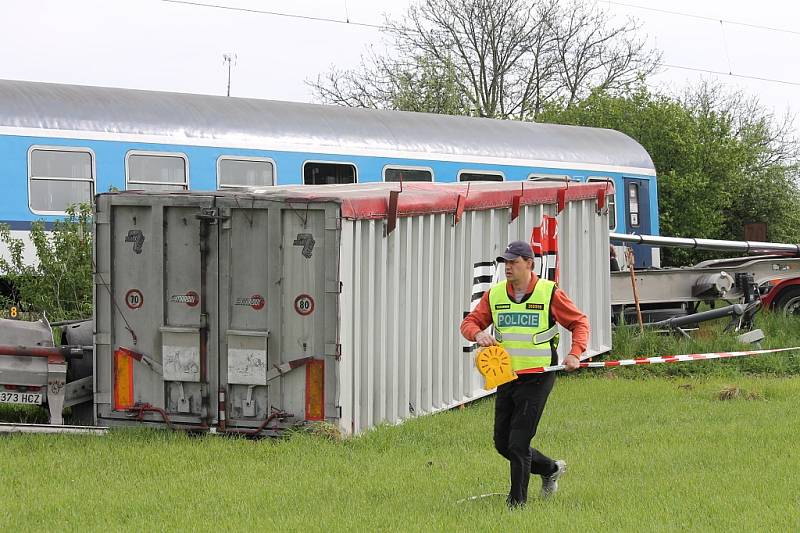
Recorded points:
(780, 331)
(428, 86)
(722, 161)
(60, 283)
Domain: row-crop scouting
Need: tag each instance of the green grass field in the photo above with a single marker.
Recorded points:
(657, 454)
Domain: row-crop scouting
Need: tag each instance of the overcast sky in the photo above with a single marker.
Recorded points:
(153, 44)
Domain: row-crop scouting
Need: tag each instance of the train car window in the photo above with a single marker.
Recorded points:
(328, 173)
(59, 178)
(250, 172)
(407, 174)
(476, 175)
(563, 178)
(612, 203)
(156, 171)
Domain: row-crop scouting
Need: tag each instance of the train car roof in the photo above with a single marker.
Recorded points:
(175, 118)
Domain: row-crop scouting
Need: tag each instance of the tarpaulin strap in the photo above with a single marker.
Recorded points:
(659, 359)
(516, 201)
(601, 197)
(561, 198)
(391, 219)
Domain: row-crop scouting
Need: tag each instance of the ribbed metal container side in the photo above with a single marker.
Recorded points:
(584, 264)
(404, 296)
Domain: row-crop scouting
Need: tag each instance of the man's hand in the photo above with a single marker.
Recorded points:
(485, 339)
(572, 363)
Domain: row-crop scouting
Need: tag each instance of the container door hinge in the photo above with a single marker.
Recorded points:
(333, 286)
(333, 223)
(333, 349)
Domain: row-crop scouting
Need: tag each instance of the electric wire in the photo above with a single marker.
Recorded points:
(666, 65)
(702, 17)
(721, 73)
(275, 13)
(725, 46)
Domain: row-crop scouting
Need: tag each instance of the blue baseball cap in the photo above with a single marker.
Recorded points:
(516, 249)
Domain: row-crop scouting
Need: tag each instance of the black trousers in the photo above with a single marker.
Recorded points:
(518, 407)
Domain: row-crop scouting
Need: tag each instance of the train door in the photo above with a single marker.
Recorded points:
(637, 217)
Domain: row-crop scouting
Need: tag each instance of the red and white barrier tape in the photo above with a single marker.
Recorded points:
(654, 360)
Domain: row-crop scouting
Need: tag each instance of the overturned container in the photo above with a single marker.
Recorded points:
(250, 311)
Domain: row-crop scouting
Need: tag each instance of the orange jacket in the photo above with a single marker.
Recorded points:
(562, 308)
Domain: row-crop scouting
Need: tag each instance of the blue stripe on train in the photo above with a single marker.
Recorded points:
(24, 225)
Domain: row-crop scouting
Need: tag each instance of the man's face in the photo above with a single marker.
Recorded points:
(519, 269)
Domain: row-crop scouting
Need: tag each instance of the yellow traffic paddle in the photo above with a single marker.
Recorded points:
(495, 365)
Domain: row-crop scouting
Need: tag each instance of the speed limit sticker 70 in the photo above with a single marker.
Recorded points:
(304, 304)
(134, 298)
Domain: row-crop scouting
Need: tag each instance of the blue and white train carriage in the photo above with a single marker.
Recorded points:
(60, 144)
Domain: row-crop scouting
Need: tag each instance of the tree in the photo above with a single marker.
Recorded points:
(722, 160)
(60, 283)
(494, 58)
(422, 85)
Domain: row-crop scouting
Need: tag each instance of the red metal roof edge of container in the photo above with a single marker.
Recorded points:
(371, 201)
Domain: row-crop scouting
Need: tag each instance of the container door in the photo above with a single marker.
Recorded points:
(190, 242)
(637, 218)
(310, 289)
(249, 294)
(158, 255)
(278, 283)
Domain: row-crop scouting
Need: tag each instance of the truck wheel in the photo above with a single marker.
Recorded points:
(79, 334)
(788, 301)
(82, 414)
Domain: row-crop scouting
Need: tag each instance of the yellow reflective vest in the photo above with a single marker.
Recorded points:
(525, 330)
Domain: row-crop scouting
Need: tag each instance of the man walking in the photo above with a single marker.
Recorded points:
(525, 310)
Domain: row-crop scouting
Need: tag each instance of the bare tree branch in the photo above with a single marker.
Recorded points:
(503, 58)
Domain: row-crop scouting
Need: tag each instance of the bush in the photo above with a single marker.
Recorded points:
(59, 285)
(780, 331)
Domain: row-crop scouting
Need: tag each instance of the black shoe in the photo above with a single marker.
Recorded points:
(513, 504)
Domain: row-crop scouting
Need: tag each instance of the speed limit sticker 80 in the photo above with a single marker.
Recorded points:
(304, 304)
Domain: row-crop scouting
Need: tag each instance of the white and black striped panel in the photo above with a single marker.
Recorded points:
(483, 276)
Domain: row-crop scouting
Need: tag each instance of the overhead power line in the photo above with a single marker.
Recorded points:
(702, 17)
(275, 13)
(744, 76)
(382, 27)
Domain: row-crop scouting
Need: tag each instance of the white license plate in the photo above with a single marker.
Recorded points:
(28, 398)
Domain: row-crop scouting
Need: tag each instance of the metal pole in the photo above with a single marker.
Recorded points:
(229, 77)
(68, 352)
(631, 259)
(750, 247)
(229, 59)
